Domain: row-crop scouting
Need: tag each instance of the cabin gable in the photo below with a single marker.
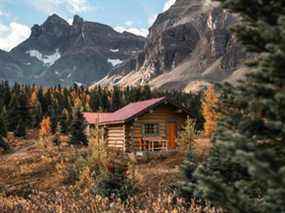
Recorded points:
(142, 127)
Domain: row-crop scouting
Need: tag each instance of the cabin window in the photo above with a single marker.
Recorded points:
(151, 129)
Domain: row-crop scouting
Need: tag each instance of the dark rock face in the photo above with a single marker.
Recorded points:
(9, 67)
(59, 53)
(191, 41)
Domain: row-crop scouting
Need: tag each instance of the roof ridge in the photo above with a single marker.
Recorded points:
(151, 99)
(129, 111)
(137, 102)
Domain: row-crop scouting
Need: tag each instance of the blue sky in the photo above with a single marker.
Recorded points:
(17, 16)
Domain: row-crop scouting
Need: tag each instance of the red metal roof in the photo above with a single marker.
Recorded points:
(124, 114)
(92, 118)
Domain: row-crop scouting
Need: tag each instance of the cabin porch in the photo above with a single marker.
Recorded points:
(152, 144)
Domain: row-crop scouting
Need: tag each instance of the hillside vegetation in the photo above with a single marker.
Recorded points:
(40, 176)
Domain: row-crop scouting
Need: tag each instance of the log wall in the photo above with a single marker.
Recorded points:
(116, 137)
(162, 116)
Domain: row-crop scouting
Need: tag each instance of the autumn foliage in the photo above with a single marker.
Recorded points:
(209, 103)
(45, 128)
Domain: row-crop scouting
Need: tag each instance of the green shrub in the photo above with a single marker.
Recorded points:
(115, 182)
(4, 145)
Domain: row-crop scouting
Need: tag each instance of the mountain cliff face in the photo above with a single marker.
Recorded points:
(190, 44)
(10, 69)
(59, 53)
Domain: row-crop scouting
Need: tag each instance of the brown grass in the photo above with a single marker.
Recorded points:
(34, 166)
(65, 201)
(41, 177)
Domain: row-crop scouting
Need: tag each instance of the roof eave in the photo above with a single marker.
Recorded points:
(111, 123)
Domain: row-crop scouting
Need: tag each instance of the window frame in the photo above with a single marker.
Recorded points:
(156, 130)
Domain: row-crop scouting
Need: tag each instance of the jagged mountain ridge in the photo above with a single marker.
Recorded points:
(59, 53)
(190, 44)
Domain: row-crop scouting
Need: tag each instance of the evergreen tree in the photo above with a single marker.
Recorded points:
(116, 99)
(104, 101)
(3, 125)
(77, 129)
(146, 92)
(64, 122)
(12, 110)
(115, 182)
(21, 115)
(35, 110)
(245, 171)
(3, 144)
(20, 130)
(187, 188)
(53, 119)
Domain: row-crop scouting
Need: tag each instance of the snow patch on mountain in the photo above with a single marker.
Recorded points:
(115, 62)
(48, 60)
(79, 83)
(114, 50)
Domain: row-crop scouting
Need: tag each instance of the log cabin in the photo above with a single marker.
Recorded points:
(150, 125)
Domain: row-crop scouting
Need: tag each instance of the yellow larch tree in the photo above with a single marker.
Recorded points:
(34, 99)
(209, 104)
(45, 128)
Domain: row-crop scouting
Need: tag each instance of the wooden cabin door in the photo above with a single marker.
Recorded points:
(171, 135)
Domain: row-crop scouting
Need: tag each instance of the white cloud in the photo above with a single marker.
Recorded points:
(134, 30)
(78, 5)
(55, 6)
(70, 21)
(129, 23)
(12, 35)
(168, 4)
(3, 29)
(2, 13)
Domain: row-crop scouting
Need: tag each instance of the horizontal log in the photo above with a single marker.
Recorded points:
(121, 140)
(159, 120)
(115, 128)
(110, 134)
(116, 131)
(116, 142)
(115, 139)
(119, 147)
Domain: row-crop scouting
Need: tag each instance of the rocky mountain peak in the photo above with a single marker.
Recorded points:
(189, 42)
(55, 26)
(60, 53)
(77, 20)
(55, 19)
(36, 31)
